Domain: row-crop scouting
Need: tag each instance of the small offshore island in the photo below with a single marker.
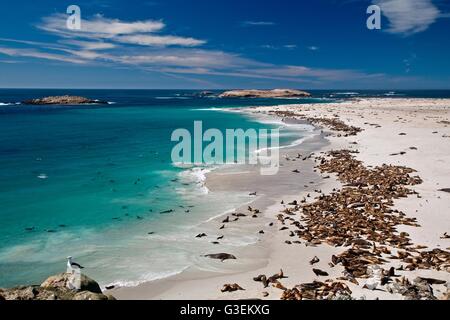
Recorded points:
(63, 100)
(275, 93)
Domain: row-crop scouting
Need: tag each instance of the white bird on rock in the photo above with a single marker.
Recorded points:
(71, 265)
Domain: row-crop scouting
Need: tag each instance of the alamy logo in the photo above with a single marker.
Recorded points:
(374, 20)
(73, 22)
(254, 147)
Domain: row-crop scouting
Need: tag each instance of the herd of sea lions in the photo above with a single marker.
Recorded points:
(360, 218)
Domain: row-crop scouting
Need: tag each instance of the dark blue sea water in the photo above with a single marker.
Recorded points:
(92, 181)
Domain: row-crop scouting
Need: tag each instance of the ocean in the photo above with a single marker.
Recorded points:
(97, 182)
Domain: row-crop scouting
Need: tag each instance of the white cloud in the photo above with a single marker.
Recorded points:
(151, 40)
(90, 45)
(258, 23)
(114, 30)
(312, 73)
(268, 46)
(408, 16)
(39, 54)
(186, 58)
(313, 48)
(98, 26)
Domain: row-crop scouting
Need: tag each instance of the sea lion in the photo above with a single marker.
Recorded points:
(314, 260)
(221, 256)
(231, 287)
(280, 274)
(320, 273)
(201, 235)
(239, 215)
(262, 278)
(277, 284)
(227, 220)
(430, 280)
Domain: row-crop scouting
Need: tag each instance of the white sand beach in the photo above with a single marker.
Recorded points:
(414, 133)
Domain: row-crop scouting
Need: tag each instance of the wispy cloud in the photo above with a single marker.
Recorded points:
(407, 17)
(100, 28)
(32, 53)
(274, 47)
(258, 23)
(152, 40)
(313, 48)
(89, 45)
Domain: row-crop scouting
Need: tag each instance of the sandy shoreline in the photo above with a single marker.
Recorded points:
(409, 132)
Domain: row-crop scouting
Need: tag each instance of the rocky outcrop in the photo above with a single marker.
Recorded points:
(63, 100)
(276, 93)
(57, 288)
(62, 281)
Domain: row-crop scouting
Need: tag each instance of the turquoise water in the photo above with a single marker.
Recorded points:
(92, 182)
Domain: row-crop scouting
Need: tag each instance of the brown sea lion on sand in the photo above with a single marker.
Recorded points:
(320, 273)
(231, 287)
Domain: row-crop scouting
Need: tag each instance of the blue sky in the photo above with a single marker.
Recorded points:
(322, 44)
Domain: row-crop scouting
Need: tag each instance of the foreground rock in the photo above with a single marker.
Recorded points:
(57, 288)
(64, 100)
(276, 93)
